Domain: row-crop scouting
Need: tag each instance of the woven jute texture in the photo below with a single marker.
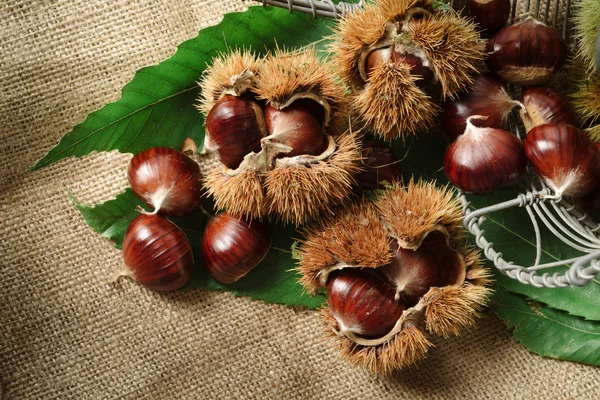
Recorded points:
(66, 334)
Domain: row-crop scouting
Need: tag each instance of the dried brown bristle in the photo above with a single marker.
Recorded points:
(453, 45)
(286, 75)
(406, 348)
(415, 210)
(241, 193)
(298, 193)
(357, 32)
(392, 105)
(450, 308)
(396, 9)
(356, 237)
(217, 77)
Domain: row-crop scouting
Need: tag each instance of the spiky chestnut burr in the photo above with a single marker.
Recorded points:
(483, 160)
(397, 55)
(528, 52)
(167, 180)
(564, 157)
(306, 163)
(157, 253)
(487, 98)
(365, 237)
(233, 246)
(586, 23)
(585, 98)
(545, 106)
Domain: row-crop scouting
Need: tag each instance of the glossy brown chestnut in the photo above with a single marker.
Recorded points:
(484, 159)
(564, 157)
(232, 246)
(299, 125)
(362, 302)
(488, 98)
(545, 106)
(167, 180)
(379, 165)
(491, 15)
(418, 67)
(234, 128)
(157, 253)
(526, 53)
(412, 272)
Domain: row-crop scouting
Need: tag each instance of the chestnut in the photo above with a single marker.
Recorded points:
(232, 246)
(491, 15)
(157, 253)
(545, 106)
(484, 159)
(362, 302)
(488, 98)
(234, 128)
(167, 180)
(564, 157)
(526, 53)
(298, 125)
(379, 165)
(413, 272)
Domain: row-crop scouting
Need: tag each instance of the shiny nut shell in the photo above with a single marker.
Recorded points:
(526, 53)
(232, 246)
(565, 158)
(157, 253)
(166, 179)
(491, 15)
(363, 302)
(545, 106)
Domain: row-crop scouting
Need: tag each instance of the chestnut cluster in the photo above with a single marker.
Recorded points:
(395, 269)
(157, 253)
(485, 157)
(275, 129)
(400, 58)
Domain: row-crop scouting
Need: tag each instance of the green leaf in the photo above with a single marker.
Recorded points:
(157, 107)
(549, 332)
(272, 280)
(512, 233)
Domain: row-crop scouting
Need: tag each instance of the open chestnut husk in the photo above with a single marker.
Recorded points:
(436, 287)
(400, 59)
(306, 161)
(545, 106)
(564, 157)
(232, 246)
(157, 253)
(167, 180)
(527, 53)
(483, 160)
(487, 98)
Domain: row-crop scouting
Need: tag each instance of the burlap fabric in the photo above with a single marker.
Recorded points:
(65, 333)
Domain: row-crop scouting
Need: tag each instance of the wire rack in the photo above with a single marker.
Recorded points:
(563, 219)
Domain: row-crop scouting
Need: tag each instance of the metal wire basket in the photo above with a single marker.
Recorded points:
(563, 219)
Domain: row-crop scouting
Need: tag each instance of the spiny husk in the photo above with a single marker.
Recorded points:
(586, 95)
(392, 105)
(594, 133)
(360, 30)
(217, 77)
(586, 22)
(286, 74)
(406, 348)
(298, 193)
(453, 45)
(241, 193)
(356, 236)
(356, 33)
(413, 211)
